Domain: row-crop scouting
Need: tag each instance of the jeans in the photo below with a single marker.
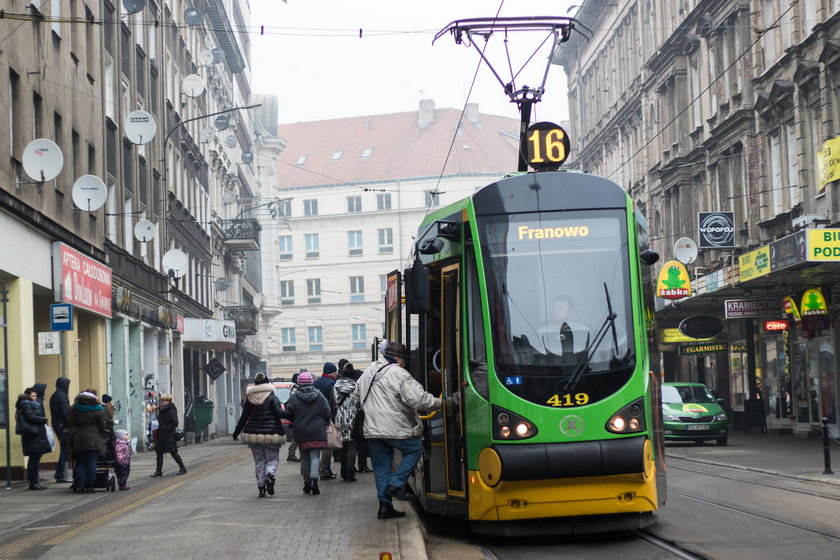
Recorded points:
(86, 469)
(348, 459)
(310, 459)
(382, 457)
(266, 460)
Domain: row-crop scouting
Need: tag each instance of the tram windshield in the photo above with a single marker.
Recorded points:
(552, 278)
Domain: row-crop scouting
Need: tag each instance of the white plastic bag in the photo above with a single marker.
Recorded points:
(50, 436)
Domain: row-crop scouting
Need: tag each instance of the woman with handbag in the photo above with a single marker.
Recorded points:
(310, 412)
(166, 439)
(263, 432)
(31, 426)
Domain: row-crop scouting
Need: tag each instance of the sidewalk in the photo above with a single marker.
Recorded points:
(25, 512)
(782, 455)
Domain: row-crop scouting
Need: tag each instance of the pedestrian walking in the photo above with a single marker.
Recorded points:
(166, 442)
(32, 427)
(290, 427)
(325, 384)
(263, 432)
(390, 398)
(122, 458)
(310, 412)
(59, 412)
(87, 419)
(345, 403)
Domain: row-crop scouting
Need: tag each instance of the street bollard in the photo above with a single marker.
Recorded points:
(826, 447)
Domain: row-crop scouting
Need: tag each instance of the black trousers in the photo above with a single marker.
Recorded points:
(174, 456)
(32, 468)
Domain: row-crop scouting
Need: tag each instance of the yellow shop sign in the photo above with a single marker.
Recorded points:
(813, 303)
(824, 244)
(673, 281)
(755, 263)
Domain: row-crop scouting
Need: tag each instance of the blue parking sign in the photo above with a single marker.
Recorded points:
(61, 317)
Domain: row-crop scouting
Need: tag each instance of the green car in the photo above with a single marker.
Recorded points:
(690, 412)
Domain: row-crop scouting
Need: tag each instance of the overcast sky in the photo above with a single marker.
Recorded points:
(312, 58)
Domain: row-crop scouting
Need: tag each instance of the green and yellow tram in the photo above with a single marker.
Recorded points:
(527, 298)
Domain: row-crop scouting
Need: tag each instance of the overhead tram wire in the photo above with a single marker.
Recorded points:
(707, 88)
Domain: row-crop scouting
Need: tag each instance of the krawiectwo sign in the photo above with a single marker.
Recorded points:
(748, 308)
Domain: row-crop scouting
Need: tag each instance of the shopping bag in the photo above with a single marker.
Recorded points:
(50, 436)
(334, 436)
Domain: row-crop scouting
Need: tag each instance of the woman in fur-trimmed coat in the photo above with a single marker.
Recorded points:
(263, 432)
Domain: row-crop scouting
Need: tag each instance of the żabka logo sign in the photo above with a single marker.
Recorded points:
(717, 230)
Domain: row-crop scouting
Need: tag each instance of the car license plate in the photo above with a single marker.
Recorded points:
(699, 427)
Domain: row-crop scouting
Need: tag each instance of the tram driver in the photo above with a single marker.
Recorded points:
(563, 335)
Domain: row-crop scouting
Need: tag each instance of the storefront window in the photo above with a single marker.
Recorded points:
(739, 374)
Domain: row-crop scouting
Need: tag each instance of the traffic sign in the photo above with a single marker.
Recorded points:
(61, 317)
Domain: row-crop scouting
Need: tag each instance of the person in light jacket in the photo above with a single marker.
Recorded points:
(390, 399)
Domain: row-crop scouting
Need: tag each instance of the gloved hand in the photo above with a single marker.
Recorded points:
(235, 437)
(452, 402)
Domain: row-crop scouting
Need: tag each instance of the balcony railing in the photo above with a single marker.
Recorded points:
(245, 318)
(242, 235)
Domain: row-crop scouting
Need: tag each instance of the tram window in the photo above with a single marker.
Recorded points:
(475, 328)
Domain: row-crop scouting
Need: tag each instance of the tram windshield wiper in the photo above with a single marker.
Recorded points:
(589, 350)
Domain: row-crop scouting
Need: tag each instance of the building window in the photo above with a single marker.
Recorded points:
(432, 198)
(287, 292)
(284, 208)
(287, 339)
(285, 243)
(313, 290)
(366, 153)
(358, 332)
(301, 160)
(357, 288)
(354, 243)
(316, 338)
(311, 245)
(354, 204)
(310, 207)
(383, 201)
(337, 155)
(386, 241)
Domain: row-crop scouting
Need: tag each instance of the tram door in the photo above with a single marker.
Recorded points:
(450, 360)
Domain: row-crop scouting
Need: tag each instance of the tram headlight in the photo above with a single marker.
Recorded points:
(628, 420)
(511, 426)
(504, 431)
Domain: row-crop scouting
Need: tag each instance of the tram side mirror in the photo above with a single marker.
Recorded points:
(417, 289)
(649, 257)
(431, 246)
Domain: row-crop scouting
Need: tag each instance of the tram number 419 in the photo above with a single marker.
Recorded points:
(578, 399)
(548, 145)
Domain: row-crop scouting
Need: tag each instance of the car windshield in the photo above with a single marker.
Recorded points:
(679, 394)
(283, 393)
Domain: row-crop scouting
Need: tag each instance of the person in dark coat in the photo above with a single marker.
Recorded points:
(166, 442)
(34, 439)
(290, 428)
(325, 384)
(88, 422)
(41, 390)
(263, 432)
(59, 413)
(310, 412)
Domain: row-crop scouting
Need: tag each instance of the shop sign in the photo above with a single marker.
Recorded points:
(813, 303)
(748, 308)
(788, 251)
(179, 323)
(123, 299)
(210, 334)
(669, 336)
(694, 349)
(701, 326)
(816, 323)
(754, 264)
(790, 308)
(81, 281)
(828, 162)
(673, 282)
(823, 244)
(717, 230)
(775, 325)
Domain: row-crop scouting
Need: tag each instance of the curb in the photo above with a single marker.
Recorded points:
(806, 478)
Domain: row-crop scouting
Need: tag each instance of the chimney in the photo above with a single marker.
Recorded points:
(426, 115)
(471, 113)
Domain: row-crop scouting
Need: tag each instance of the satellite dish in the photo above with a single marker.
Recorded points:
(89, 193)
(685, 250)
(192, 17)
(247, 157)
(205, 58)
(218, 55)
(140, 127)
(175, 263)
(42, 159)
(144, 231)
(207, 134)
(133, 6)
(221, 123)
(222, 284)
(193, 85)
(259, 301)
(230, 141)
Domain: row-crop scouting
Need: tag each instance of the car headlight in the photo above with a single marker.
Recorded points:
(670, 418)
(720, 417)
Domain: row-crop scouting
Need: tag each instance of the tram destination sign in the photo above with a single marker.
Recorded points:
(748, 308)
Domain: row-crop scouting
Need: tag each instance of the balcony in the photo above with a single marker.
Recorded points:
(245, 318)
(222, 29)
(242, 235)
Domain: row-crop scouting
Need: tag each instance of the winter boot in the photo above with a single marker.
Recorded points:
(315, 489)
(156, 474)
(269, 484)
(262, 491)
(307, 486)
(180, 462)
(387, 511)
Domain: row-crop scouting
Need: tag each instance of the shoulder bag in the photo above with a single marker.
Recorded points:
(357, 432)
(334, 440)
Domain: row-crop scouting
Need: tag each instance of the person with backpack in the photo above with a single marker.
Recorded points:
(310, 412)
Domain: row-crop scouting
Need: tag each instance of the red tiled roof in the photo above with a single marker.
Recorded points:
(400, 148)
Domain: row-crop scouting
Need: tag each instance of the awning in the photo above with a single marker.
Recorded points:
(209, 334)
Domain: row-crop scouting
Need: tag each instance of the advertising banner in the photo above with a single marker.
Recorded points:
(748, 308)
(828, 162)
(788, 251)
(717, 230)
(824, 244)
(81, 281)
(755, 263)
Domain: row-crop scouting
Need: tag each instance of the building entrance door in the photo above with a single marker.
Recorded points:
(815, 381)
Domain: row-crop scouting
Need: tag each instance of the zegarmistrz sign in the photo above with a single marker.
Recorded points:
(747, 308)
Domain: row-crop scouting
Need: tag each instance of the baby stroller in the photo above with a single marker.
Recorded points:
(105, 477)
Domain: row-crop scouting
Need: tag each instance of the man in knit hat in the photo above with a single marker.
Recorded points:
(325, 384)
